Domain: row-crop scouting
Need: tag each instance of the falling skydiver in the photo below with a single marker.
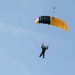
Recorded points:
(44, 48)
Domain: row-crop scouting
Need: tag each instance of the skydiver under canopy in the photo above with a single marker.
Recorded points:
(44, 48)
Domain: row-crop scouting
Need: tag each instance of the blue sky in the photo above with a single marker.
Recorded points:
(21, 38)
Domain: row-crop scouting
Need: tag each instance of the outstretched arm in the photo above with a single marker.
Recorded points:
(42, 46)
(47, 46)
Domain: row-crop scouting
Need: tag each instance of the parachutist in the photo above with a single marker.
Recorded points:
(44, 48)
(53, 7)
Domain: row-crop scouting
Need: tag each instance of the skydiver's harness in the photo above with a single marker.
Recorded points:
(44, 47)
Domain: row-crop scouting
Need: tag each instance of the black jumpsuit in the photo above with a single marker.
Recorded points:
(44, 48)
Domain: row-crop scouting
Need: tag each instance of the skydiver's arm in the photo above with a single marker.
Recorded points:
(42, 46)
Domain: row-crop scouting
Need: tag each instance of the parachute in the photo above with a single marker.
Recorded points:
(52, 21)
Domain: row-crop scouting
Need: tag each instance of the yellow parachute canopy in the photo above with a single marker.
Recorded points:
(52, 21)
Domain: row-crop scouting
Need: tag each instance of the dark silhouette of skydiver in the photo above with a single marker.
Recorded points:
(44, 48)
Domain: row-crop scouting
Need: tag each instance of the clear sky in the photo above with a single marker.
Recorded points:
(21, 38)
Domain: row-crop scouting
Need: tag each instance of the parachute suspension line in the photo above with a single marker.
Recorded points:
(42, 37)
(53, 11)
(42, 40)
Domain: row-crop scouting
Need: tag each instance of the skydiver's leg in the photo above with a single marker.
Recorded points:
(40, 54)
(43, 55)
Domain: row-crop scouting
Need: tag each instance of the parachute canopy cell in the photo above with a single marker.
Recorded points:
(52, 21)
